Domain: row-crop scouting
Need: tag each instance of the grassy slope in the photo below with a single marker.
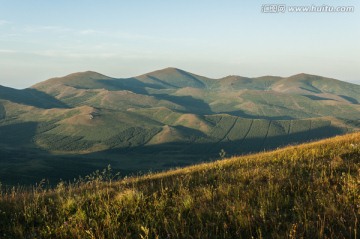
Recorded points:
(86, 129)
(178, 92)
(304, 191)
(163, 119)
(168, 112)
(299, 96)
(166, 138)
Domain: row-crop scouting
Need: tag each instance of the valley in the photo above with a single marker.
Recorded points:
(73, 125)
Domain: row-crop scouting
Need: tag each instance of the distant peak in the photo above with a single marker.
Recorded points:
(88, 74)
(84, 76)
(170, 69)
(302, 75)
(167, 70)
(234, 77)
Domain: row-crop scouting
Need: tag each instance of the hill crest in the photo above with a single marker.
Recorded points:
(175, 77)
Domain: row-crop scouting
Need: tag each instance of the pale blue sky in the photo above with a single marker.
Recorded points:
(40, 39)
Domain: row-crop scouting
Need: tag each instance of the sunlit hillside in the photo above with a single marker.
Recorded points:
(162, 119)
(304, 191)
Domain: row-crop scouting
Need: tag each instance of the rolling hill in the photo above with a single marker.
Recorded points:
(304, 191)
(72, 125)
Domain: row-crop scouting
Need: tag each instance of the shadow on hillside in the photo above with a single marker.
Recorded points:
(130, 84)
(309, 87)
(180, 83)
(350, 99)
(163, 83)
(347, 98)
(315, 97)
(45, 101)
(139, 87)
(2, 112)
(195, 81)
(242, 114)
(191, 133)
(31, 97)
(210, 150)
(198, 82)
(190, 104)
(22, 162)
(17, 134)
(16, 151)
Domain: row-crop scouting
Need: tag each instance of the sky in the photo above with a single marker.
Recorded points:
(41, 39)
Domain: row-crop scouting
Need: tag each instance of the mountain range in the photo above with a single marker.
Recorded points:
(72, 125)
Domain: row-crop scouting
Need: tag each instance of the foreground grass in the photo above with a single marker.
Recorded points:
(306, 191)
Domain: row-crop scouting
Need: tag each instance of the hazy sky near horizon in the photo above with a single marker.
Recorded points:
(40, 39)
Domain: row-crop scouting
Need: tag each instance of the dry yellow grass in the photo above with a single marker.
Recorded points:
(304, 191)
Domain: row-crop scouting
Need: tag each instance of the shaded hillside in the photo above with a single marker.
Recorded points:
(304, 191)
(30, 97)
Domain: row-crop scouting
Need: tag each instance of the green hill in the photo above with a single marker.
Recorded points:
(304, 191)
(162, 119)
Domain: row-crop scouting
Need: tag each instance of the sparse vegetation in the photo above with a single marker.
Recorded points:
(222, 153)
(304, 191)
